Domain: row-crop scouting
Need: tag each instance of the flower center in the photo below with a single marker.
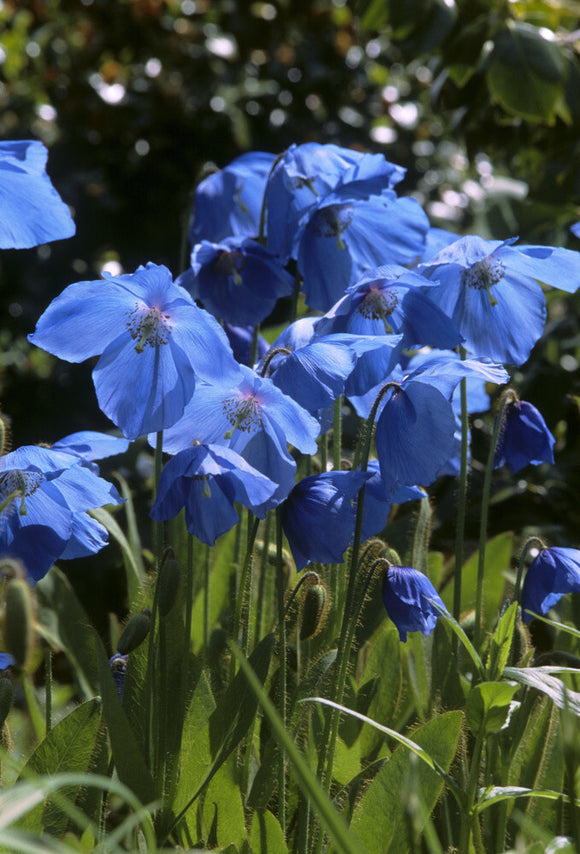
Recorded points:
(331, 222)
(18, 484)
(148, 327)
(230, 264)
(483, 274)
(378, 305)
(243, 414)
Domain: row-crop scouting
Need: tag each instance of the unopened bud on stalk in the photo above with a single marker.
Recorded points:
(134, 633)
(168, 581)
(314, 611)
(19, 634)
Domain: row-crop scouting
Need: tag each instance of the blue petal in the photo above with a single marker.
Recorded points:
(91, 445)
(406, 594)
(32, 212)
(414, 435)
(553, 573)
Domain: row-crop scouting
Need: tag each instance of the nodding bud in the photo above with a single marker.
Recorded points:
(4, 434)
(314, 610)
(19, 633)
(168, 584)
(6, 698)
(134, 633)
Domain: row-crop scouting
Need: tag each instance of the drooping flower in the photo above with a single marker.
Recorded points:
(314, 370)
(524, 438)
(118, 665)
(553, 573)
(491, 290)
(307, 173)
(31, 211)
(255, 419)
(345, 235)
(238, 280)
(44, 496)
(318, 517)
(153, 340)
(207, 480)
(229, 201)
(407, 594)
(378, 503)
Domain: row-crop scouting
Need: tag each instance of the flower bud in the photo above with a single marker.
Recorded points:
(168, 582)
(18, 621)
(134, 633)
(314, 610)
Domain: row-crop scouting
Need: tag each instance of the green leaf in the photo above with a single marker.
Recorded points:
(266, 835)
(64, 623)
(526, 73)
(223, 810)
(509, 793)
(383, 666)
(501, 642)
(541, 678)
(68, 747)
(488, 705)
(498, 552)
(342, 839)
(379, 820)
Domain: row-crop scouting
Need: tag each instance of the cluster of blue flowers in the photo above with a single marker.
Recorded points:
(381, 285)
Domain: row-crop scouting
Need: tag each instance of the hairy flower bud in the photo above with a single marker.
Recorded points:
(19, 631)
(134, 633)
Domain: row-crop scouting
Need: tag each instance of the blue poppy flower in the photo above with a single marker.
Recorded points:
(524, 438)
(491, 290)
(344, 236)
(154, 342)
(255, 419)
(415, 434)
(118, 665)
(319, 515)
(552, 574)
(207, 480)
(307, 173)
(229, 202)
(32, 212)
(44, 496)
(238, 280)
(394, 300)
(406, 594)
(6, 661)
(315, 372)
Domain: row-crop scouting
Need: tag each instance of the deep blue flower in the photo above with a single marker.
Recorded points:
(32, 212)
(118, 665)
(416, 422)
(229, 201)
(255, 419)
(406, 594)
(305, 174)
(238, 280)
(315, 370)
(44, 496)
(489, 288)
(552, 574)
(154, 340)
(6, 661)
(344, 236)
(524, 438)
(207, 480)
(318, 517)
(241, 338)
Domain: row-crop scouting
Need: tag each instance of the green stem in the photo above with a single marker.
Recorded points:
(461, 499)
(206, 599)
(522, 563)
(262, 579)
(337, 433)
(241, 592)
(467, 817)
(497, 427)
(280, 576)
